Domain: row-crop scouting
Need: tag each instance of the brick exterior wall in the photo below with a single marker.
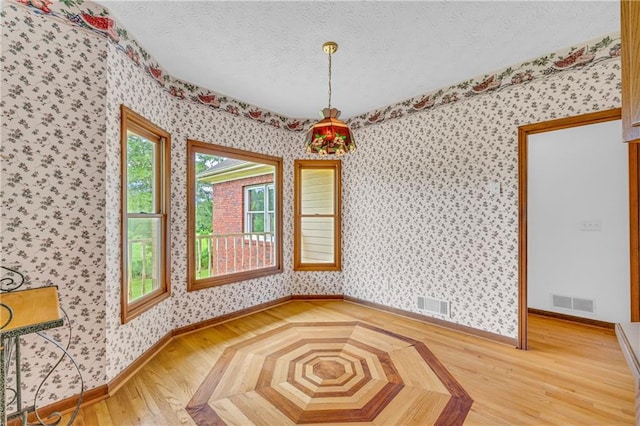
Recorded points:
(228, 203)
(228, 218)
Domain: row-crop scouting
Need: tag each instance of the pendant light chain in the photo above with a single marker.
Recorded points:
(330, 135)
(329, 79)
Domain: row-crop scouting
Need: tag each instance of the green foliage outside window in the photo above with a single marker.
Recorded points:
(140, 174)
(204, 195)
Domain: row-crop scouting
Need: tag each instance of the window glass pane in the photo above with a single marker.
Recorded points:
(229, 205)
(271, 205)
(141, 174)
(204, 194)
(256, 222)
(317, 191)
(317, 240)
(256, 199)
(143, 256)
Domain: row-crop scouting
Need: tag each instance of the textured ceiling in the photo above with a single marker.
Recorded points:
(269, 53)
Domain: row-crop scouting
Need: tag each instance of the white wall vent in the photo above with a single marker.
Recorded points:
(584, 305)
(573, 303)
(563, 302)
(434, 306)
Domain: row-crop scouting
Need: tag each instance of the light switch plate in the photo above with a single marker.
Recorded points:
(494, 187)
(591, 225)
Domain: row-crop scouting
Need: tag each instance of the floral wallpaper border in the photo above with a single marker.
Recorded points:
(95, 18)
(585, 56)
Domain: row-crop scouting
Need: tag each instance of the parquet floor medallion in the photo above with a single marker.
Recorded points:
(329, 372)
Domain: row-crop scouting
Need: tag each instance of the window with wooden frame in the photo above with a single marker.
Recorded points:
(234, 215)
(317, 215)
(145, 158)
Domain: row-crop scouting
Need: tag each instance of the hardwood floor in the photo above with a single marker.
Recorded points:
(572, 374)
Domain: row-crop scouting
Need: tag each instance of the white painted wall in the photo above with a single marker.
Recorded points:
(576, 175)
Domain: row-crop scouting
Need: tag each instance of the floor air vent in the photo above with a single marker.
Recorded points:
(572, 303)
(435, 306)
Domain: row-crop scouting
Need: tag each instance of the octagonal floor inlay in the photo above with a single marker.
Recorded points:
(332, 372)
(328, 369)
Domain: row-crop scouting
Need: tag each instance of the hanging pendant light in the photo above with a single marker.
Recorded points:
(330, 135)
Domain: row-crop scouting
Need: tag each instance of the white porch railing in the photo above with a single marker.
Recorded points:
(221, 254)
(216, 254)
(143, 275)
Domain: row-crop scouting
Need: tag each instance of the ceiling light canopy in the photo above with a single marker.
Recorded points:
(330, 135)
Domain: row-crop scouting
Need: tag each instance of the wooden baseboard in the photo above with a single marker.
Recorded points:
(66, 405)
(586, 321)
(317, 297)
(228, 317)
(102, 392)
(435, 321)
(122, 377)
(133, 368)
(251, 310)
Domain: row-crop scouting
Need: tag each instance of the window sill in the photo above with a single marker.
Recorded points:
(194, 285)
(319, 267)
(142, 305)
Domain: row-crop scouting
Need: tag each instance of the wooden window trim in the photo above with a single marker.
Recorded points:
(336, 166)
(194, 146)
(130, 120)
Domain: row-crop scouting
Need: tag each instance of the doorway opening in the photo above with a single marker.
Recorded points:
(523, 179)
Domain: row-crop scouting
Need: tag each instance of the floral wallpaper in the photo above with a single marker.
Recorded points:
(96, 19)
(126, 85)
(53, 177)
(200, 123)
(85, 247)
(130, 85)
(420, 219)
(584, 56)
(417, 221)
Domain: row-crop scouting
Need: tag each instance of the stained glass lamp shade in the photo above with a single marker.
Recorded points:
(330, 135)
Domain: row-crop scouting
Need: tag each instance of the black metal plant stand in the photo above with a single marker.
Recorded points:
(24, 312)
